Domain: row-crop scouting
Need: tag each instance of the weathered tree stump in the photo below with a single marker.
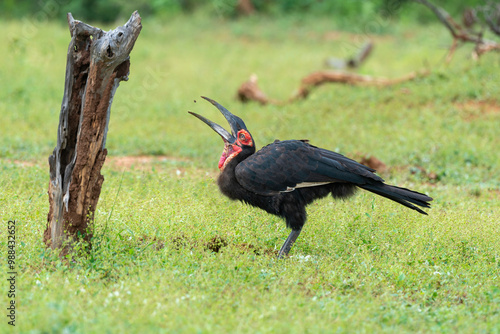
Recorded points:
(96, 63)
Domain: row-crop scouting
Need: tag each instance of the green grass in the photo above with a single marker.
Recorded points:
(362, 265)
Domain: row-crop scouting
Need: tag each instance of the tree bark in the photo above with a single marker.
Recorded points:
(96, 63)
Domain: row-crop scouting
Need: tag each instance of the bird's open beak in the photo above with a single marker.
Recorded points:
(235, 123)
(226, 136)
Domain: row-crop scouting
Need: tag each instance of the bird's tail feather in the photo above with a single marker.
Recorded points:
(401, 195)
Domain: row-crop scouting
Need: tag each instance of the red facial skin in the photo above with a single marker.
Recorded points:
(243, 138)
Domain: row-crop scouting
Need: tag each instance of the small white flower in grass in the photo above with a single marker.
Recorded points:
(178, 172)
(303, 258)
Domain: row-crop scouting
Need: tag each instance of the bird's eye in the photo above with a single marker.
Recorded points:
(244, 138)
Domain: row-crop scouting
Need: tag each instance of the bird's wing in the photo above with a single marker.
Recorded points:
(285, 165)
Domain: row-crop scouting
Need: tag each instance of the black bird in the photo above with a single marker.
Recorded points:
(285, 176)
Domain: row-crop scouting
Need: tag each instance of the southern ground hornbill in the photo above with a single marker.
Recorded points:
(285, 176)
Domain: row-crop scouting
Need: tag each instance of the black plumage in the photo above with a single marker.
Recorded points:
(284, 177)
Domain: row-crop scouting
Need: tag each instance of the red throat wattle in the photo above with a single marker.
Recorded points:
(223, 158)
(230, 151)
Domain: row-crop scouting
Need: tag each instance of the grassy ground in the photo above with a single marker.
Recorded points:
(362, 265)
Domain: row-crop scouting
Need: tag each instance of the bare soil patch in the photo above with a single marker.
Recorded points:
(141, 162)
(473, 109)
(21, 163)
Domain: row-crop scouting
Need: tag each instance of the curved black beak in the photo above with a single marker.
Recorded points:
(235, 122)
(226, 136)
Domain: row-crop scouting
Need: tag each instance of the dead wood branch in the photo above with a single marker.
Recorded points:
(491, 13)
(96, 63)
(249, 91)
(353, 62)
(321, 77)
(461, 34)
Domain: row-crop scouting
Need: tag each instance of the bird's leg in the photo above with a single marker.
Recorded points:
(288, 243)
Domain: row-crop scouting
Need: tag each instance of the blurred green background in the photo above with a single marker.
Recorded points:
(339, 11)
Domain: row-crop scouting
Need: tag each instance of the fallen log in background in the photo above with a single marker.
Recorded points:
(96, 63)
(250, 91)
(321, 77)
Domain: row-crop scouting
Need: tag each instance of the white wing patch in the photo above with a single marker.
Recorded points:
(305, 185)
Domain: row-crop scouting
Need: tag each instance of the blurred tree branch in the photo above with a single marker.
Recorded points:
(463, 34)
(250, 91)
(491, 13)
